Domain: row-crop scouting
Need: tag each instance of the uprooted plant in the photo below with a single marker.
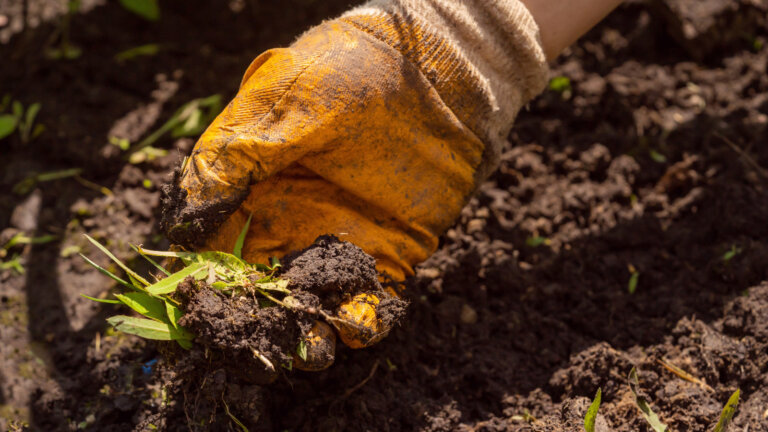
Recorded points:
(225, 303)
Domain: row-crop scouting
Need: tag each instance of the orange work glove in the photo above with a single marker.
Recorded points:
(376, 127)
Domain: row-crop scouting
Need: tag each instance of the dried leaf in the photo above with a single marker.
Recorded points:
(238, 251)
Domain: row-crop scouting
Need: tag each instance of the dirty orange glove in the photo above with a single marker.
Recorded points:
(375, 127)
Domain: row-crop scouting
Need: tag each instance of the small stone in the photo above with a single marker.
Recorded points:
(468, 314)
(475, 225)
(428, 273)
(25, 215)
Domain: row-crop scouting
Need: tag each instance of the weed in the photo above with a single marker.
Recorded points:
(536, 241)
(147, 9)
(20, 119)
(232, 417)
(66, 50)
(25, 186)
(731, 253)
(653, 420)
(14, 264)
(121, 143)
(560, 84)
(643, 405)
(391, 366)
(7, 124)
(70, 250)
(189, 120)
(139, 51)
(634, 278)
(20, 239)
(146, 154)
(728, 411)
(156, 302)
(656, 156)
(591, 416)
(23, 239)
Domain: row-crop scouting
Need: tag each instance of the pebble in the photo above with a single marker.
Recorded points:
(475, 225)
(25, 215)
(468, 314)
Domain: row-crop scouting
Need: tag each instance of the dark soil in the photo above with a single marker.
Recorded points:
(653, 163)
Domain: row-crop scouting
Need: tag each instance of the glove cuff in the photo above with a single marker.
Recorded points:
(484, 58)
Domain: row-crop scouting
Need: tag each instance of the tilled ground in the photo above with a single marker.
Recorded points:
(651, 161)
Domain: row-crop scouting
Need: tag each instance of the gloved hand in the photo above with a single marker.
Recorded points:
(376, 127)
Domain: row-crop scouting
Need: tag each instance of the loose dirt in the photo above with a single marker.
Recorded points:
(652, 163)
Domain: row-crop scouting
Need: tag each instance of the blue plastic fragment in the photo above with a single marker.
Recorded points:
(147, 367)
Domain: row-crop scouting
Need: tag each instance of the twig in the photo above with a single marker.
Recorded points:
(93, 186)
(751, 161)
(264, 360)
(362, 383)
(234, 419)
(683, 374)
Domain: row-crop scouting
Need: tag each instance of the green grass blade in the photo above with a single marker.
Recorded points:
(275, 263)
(232, 417)
(147, 9)
(58, 175)
(32, 111)
(143, 327)
(108, 301)
(117, 261)
(153, 262)
(632, 284)
(106, 272)
(591, 416)
(169, 284)
(728, 411)
(173, 313)
(145, 304)
(238, 251)
(136, 284)
(643, 405)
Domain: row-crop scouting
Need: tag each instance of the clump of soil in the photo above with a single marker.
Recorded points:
(332, 266)
(244, 342)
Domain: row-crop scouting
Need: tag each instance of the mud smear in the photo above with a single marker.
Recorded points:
(189, 224)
